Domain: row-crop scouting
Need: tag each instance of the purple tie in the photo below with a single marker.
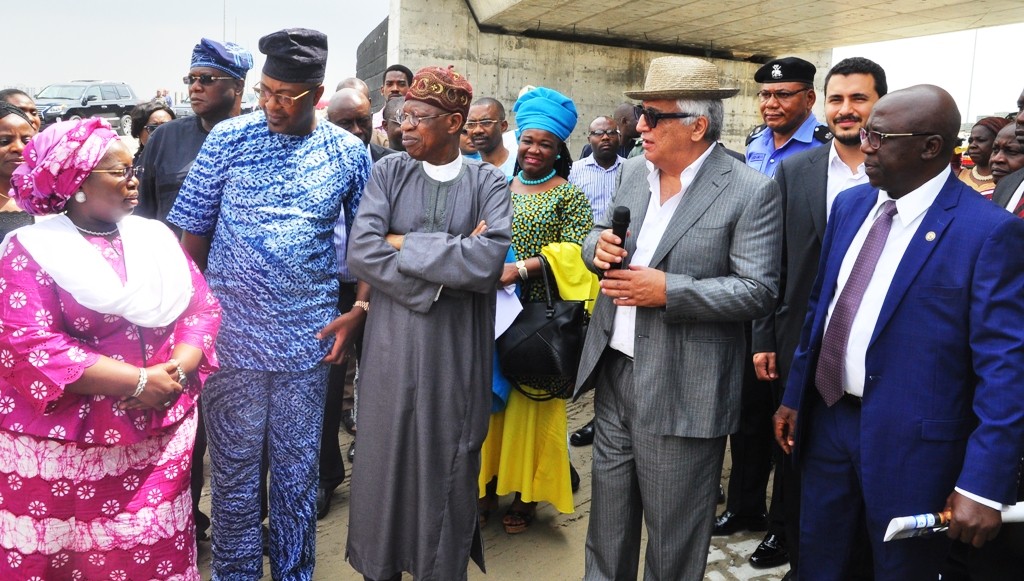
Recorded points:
(829, 376)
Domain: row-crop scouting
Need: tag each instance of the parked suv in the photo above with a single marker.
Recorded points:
(183, 108)
(77, 99)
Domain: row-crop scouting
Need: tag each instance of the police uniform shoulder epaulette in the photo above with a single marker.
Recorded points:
(822, 133)
(755, 132)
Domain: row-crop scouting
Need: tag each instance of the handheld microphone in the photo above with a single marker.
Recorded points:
(620, 225)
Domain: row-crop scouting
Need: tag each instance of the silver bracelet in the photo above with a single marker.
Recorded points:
(181, 372)
(141, 386)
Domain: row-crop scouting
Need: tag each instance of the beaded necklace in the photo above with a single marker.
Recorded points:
(526, 182)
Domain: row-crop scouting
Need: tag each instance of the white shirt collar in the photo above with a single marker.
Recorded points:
(917, 202)
(446, 172)
(685, 178)
(834, 161)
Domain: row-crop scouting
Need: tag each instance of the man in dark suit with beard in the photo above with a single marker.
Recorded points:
(810, 182)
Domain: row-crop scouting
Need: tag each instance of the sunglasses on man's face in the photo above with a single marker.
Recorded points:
(653, 116)
(203, 80)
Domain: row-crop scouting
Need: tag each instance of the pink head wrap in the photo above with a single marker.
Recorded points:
(57, 161)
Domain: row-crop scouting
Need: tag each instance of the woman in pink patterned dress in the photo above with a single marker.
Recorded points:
(106, 336)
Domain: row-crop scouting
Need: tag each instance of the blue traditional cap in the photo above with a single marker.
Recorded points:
(228, 57)
(547, 109)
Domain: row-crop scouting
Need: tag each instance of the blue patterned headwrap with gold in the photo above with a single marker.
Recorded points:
(228, 57)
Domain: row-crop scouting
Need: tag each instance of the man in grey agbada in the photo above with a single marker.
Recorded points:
(665, 348)
(430, 239)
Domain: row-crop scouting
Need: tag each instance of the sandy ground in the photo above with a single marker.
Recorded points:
(552, 549)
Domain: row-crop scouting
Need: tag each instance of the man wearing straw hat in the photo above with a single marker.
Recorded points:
(665, 348)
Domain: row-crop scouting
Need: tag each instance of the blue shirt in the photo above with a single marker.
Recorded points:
(596, 182)
(269, 202)
(762, 155)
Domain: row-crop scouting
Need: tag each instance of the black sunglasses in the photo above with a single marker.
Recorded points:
(203, 80)
(653, 116)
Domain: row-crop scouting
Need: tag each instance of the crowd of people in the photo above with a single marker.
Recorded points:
(840, 301)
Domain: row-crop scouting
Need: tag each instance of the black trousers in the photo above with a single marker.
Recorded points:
(332, 467)
(751, 446)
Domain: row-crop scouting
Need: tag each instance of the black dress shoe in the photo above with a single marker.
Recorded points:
(583, 436)
(574, 478)
(348, 422)
(770, 553)
(323, 501)
(351, 452)
(729, 523)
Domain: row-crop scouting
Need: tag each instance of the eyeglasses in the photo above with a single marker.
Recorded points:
(204, 80)
(874, 138)
(485, 123)
(151, 127)
(283, 100)
(608, 132)
(653, 116)
(414, 120)
(126, 173)
(780, 96)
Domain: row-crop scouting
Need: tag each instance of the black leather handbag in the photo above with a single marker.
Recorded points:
(542, 347)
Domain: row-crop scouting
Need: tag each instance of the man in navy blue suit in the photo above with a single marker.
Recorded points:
(909, 378)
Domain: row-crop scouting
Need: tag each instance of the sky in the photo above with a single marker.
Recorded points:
(980, 68)
(149, 44)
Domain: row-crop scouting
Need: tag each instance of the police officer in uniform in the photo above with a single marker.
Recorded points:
(785, 99)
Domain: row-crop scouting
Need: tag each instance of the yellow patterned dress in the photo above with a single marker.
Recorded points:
(526, 444)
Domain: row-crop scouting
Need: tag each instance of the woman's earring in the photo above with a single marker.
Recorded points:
(559, 156)
(80, 197)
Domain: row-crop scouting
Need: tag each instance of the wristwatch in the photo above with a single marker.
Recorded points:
(521, 267)
(365, 305)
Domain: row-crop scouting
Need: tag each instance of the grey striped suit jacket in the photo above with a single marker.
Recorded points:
(720, 253)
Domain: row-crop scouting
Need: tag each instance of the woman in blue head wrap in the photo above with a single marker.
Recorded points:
(526, 451)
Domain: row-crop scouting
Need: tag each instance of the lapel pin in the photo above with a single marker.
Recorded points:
(929, 236)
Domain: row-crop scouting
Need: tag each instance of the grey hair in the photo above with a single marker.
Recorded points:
(710, 109)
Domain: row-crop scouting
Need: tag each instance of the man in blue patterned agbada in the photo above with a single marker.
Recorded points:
(258, 209)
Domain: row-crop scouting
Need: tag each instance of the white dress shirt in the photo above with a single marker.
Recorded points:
(656, 221)
(911, 209)
(840, 177)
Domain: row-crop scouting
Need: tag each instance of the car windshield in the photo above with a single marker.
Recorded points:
(61, 92)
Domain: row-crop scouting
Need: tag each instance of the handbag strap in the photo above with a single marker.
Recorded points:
(547, 283)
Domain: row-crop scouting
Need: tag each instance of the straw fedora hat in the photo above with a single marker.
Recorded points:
(681, 77)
